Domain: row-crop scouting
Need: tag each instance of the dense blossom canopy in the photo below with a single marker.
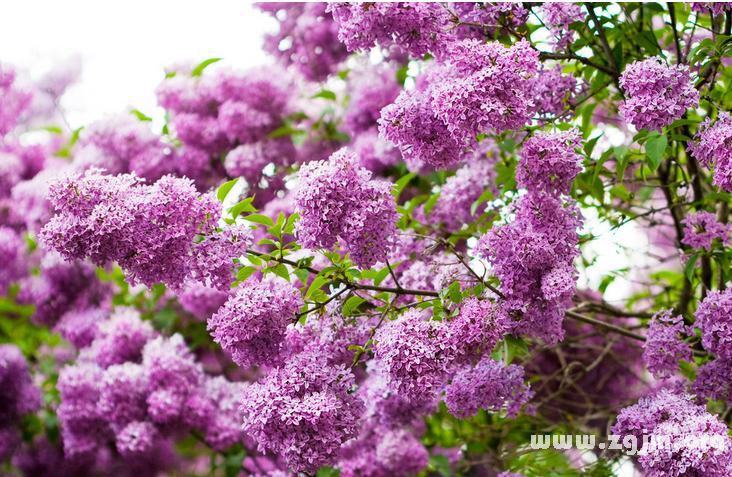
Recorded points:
(425, 239)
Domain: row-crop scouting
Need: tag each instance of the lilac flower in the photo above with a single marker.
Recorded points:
(487, 88)
(83, 427)
(201, 132)
(414, 354)
(656, 93)
(370, 90)
(490, 385)
(554, 93)
(337, 199)
(120, 339)
(381, 452)
(223, 428)
(202, 301)
(702, 229)
(664, 348)
(148, 230)
(550, 162)
(13, 100)
(711, 147)
(252, 323)
(714, 319)
(136, 438)
(713, 380)
(557, 17)
(12, 256)
(418, 28)
(81, 328)
(672, 415)
(476, 330)
(122, 394)
(18, 396)
(374, 152)
(61, 288)
(412, 124)
(169, 364)
(489, 16)
(714, 7)
(533, 258)
(248, 160)
(311, 35)
(452, 208)
(303, 411)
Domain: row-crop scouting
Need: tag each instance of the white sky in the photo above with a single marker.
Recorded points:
(125, 45)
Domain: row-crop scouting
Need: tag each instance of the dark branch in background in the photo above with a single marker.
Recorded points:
(603, 40)
(543, 56)
(672, 13)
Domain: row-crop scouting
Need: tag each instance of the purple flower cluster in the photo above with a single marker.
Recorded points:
(714, 7)
(665, 345)
(476, 330)
(148, 229)
(370, 90)
(135, 389)
(252, 324)
(480, 20)
(702, 228)
(489, 385)
(18, 396)
(533, 258)
(554, 93)
(13, 100)
(62, 290)
(452, 209)
(697, 442)
(488, 88)
(418, 28)
(533, 254)
(311, 37)
(13, 257)
(711, 147)
(383, 452)
(656, 93)
(714, 380)
(549, 162)
(123, 144)
(714, 319)
(557, 16)
(202, 301)
(414, 354)
(337, 199)
(303, 411)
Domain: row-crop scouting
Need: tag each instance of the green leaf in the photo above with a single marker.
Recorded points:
(454, 293)
(302, 274)
(286, 131)
(689, 268)
(383, 273)
(401, 75)
(598, 164)
(317, 283)
(140, 116)
(655, 147)
(486, 195)
(400, 184)
(281, 271)
(326, 94)
(243, 206)
(590, 145)
(202, 66)
(351, 305)
(259, 219)
(441, 464)
(245, 272)
(224, 189)
(430, 204)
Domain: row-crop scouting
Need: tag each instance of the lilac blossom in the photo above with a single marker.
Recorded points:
(711, 147)
(120, 339)
(13, 251)
(14, 100)
(713, 380)
(714, 319)
(533, 258)
(337, 199)
(554, 93)
(418, 28)
(248, 160)
(303, 411)
(664, 347)
(491, 18)
(557, 17)
(672, 415)
(201, 300)
(702, 228)
(252, 323)
(311, 37)
(370, 90)
(414, 354)
(549, 162)
(18, 396)
(476, 330)
(656, 93)
(382, 452)
(490, 385)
